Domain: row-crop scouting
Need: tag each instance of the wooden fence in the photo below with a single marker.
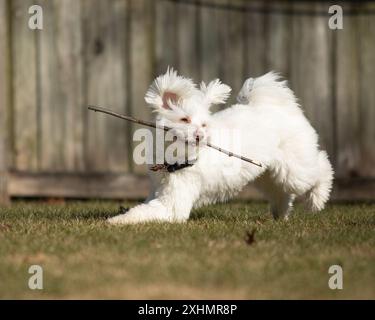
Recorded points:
(107, 53)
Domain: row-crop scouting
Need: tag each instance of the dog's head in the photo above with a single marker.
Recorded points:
(182, 106)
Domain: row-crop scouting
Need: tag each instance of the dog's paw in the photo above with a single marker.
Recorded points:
(122, 219)
(123, 210)
(153, 211)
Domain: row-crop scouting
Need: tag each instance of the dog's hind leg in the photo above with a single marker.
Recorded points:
(281, 205)
(281, 202)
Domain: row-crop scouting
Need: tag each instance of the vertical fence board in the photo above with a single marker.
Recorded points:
(141, 62)
(166, 43)
(60, 48)
(209, 42)
(278, 36)
(188, 40)
(233, 49)
(222, 45)
(25, 105)
(347, 97)
(367, 92)
(310, 72)
(105, 32)
(4, 101)
(255, 42)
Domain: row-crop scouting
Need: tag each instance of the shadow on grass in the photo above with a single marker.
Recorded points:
(238, 212)
(92, 215)
(100, 214)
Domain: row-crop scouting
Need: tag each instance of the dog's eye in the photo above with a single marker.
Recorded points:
(186, 120)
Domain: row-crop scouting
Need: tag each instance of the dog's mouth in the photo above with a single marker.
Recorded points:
(173, 167)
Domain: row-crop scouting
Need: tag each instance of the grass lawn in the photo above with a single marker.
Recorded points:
(207, 257)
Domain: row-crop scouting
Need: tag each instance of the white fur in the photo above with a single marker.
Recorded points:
(273, 131)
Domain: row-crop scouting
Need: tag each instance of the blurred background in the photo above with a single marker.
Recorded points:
(106, 53)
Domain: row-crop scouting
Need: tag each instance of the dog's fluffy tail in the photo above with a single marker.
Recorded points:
(319, 194)
(267, 89)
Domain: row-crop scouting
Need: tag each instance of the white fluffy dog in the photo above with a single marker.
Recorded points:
(272, 130)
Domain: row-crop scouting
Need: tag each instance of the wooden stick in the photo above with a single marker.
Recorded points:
(153, 125)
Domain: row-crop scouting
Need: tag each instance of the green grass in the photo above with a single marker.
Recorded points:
(207, 257)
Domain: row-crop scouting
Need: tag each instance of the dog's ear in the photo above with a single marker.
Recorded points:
(169, 90)
(244, 95)
(215, 92)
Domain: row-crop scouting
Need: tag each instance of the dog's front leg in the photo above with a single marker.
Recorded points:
(180, 192)
(153, 210)
(175, 198)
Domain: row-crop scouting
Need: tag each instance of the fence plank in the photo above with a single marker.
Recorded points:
(311, 77)
(166, 42)
(105, 38)
(61, 87)
(347, 97)
(79, 185)
(367, 92)
(141, 62)
(233, 50)
(255, 42)
(25, 105)
(4, 101)
(188, 41)
(209, 43)
(278, 32)
(222, 45)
